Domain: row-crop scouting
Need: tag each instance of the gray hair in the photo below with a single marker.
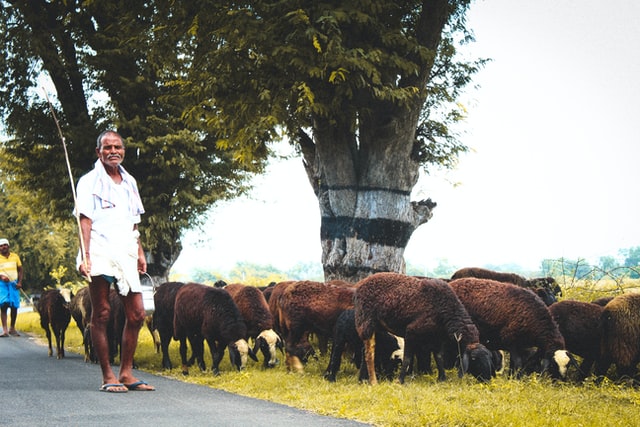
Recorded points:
(106, 132)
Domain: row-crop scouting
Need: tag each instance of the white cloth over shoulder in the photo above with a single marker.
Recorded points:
(114, 210)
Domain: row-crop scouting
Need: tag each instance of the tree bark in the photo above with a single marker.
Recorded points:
(364, 194)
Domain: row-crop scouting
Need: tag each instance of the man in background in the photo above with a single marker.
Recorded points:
(10, 285)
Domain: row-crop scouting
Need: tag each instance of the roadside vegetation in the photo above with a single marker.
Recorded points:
(421, 401)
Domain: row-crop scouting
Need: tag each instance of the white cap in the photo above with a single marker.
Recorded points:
(4, 242)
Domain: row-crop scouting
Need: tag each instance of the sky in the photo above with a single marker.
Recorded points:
(552, 170)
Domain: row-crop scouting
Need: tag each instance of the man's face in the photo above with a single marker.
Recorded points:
(4, 249)
(111, 152)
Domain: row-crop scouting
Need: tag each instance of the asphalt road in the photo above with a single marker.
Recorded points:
(37, 390)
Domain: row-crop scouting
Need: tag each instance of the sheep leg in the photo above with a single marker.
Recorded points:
(515, 363)
(585, 368)
(60, 343)
(335, 359)
(48, 333)
(369, 358)
(165, 339)
(409, 353)
(294, 349)
(183, 356)
(216, 355)
(197, 352)
(439, 359)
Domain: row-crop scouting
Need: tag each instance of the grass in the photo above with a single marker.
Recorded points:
(421, 401)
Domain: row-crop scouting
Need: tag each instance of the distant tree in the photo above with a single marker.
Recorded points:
(444, 269)
(572, 269)
(254, 274)
(607, 263)
(305, 271)
(200, 275)
(632, 260)
(414, 270)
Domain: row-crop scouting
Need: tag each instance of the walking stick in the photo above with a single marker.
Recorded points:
(73, 188)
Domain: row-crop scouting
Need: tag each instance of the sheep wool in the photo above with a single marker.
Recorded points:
(514, 319)
(621, 335)
(425, 312)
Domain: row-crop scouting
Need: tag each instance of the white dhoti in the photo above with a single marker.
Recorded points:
(119, 261)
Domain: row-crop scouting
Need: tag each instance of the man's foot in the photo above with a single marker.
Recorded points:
(140, 386)
(14, 333)
(113, 388)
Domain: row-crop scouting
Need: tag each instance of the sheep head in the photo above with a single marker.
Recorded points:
(557, 364)
(477, 360)
(268, 342)
(239, 352)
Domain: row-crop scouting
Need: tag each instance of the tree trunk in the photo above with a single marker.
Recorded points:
(364, 192)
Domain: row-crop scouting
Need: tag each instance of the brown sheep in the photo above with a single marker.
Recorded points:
(602, 301)
(621, 336)
(206, 313)
(514, 319)
(545, 287)
(581, 327)
(55, 316)
(274, 303)
(257, 316)
(423, 311)
(309, 307)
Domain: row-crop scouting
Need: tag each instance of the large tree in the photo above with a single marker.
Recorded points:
(365, 90)
(107, 64)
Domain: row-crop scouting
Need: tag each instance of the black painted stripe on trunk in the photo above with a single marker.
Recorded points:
(364, 189)
(351, 270)
(387, 232)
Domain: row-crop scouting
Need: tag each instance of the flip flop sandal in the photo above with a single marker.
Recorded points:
(113, 388)
(136, 386)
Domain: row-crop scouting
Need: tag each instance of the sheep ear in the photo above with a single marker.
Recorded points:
(545, 365)
(464, 366)
(252, 354)
(257, 344)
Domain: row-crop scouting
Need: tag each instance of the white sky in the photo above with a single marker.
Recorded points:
(553, 170)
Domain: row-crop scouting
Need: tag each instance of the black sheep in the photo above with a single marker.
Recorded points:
(514, 319)
(425, 312)
(55, 316)
(206, 313)
(581, 327)
(389, 348)
(164, 299)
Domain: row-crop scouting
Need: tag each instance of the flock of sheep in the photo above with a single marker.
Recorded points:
(393, 324)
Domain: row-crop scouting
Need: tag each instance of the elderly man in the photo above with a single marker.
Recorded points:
(109, 207)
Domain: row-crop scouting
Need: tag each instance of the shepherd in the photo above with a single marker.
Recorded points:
(109, 208)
